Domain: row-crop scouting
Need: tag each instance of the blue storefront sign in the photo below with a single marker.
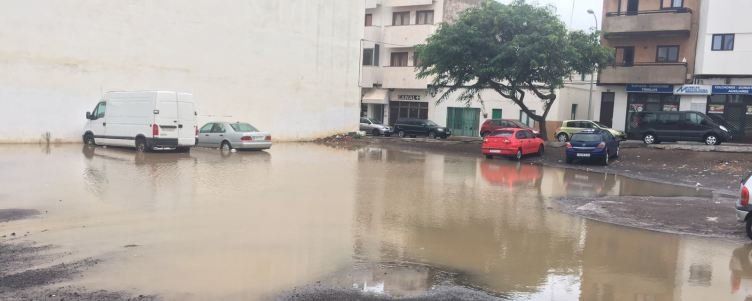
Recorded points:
(732, 89)
(643, 88)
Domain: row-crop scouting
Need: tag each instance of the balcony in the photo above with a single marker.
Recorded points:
(397, 3)
(621, 24)
(372, 33)
(372, 3)
(402, 78)
(371, 75)
(407, 35)
(649, 73)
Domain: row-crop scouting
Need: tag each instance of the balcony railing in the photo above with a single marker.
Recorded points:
(678, 21)
(407, 35)
(644, 73)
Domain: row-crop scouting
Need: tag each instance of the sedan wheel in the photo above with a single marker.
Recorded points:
(605, 158)
(225, 146)
(562, 137)
(711, 140)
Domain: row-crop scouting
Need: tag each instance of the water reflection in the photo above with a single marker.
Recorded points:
(214, 225)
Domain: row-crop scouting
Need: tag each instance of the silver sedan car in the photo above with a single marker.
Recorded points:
(238, 135)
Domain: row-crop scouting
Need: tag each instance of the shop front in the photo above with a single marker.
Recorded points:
(731, 106)
(649, 98)
(407, 105)
(374, 103)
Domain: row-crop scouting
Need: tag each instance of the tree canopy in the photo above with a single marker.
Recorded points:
(512, 49)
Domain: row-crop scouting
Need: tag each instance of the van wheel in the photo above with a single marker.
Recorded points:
(711, 139)
(649, 138)
(89, 139)
(141, 144)
(749, 227)
(401, 134)
(225, 146)
(562, 137)
(432, 135)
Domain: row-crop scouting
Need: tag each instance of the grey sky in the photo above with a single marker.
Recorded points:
(580, 19)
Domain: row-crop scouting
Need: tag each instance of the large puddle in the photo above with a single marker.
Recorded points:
(249, 225)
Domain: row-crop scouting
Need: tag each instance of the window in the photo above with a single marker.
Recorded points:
(207, 128)
(520, 135)
(99, 111)
(693, 119)
(376, 54)
(363, 120)
(624, 56)
(574, 111)
(669, 4)
(416, 59)
(668, 119)
(424, 17)
(525, 119)
(369, 20)
(218, 128)
(667, 54)
(723, 42)
(243, 127)
(401, 18)
(399, 59)
(368, 57)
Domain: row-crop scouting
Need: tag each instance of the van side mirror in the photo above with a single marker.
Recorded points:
(88, 115)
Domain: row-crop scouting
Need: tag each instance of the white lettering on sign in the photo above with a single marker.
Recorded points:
(693, 90)
(409, 97)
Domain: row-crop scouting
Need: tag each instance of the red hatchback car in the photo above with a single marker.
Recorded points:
(491, 125)
(512, 142)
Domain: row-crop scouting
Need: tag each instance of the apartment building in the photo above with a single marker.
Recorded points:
(723, 66)
(655, 44)
(390, 89)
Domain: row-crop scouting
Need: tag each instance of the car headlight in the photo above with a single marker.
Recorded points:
(723, 128)
(440, 129)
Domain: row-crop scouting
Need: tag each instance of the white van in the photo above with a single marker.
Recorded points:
(147, 120)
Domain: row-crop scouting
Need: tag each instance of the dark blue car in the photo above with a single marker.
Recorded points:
(595, 144)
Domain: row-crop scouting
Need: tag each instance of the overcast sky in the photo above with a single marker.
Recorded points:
(580, 19)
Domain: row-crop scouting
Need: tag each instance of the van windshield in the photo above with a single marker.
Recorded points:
(243, 127)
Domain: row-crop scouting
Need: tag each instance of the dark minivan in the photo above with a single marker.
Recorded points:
(420, 127)
(657, 127)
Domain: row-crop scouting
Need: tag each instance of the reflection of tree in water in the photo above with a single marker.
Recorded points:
(440, 212)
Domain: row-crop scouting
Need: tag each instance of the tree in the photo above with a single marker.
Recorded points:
(512, 49)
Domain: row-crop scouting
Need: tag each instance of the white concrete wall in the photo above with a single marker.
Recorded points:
(719, 17)
(289, 67)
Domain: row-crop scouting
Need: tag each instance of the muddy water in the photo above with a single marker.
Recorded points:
(238, 226)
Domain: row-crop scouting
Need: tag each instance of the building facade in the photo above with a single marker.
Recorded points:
(654, 44)
(289, 67)
(724, 67)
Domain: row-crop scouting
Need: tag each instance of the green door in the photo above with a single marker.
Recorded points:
(496, 114)
(463, 121)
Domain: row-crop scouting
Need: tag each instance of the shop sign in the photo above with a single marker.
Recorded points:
(409, 97)
(731, 89)
(642, 88)
(670, 108)
(716, 109)
(636, 107)
(693, 90)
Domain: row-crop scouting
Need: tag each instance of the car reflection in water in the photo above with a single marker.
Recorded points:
(511, 175)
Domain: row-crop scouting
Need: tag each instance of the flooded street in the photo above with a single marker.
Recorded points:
(257, 225)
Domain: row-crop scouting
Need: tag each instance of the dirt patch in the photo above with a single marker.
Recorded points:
(681, 215)
(7, 215)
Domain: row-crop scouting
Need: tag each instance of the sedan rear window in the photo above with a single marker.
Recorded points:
(502, 134)
(243, 127)
(586, 137)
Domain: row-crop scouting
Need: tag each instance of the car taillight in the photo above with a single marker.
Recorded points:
(601, 145)
(745, 196)
(268, 138)
(246, 138)
(569, 145)
(154, 130)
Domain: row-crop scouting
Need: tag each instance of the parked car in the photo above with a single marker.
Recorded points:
(570, 127)
(491, 125)
(420, 127)
(374, 127)
(656, 127)
(238, 135)
(147, 120)
(743, 207)
(590, 144)
(512, 142)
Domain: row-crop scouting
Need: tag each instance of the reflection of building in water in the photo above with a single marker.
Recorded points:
(443, 212)
(707, 272)
(626, 264)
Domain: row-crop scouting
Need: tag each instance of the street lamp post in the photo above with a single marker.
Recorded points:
(592, 75)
